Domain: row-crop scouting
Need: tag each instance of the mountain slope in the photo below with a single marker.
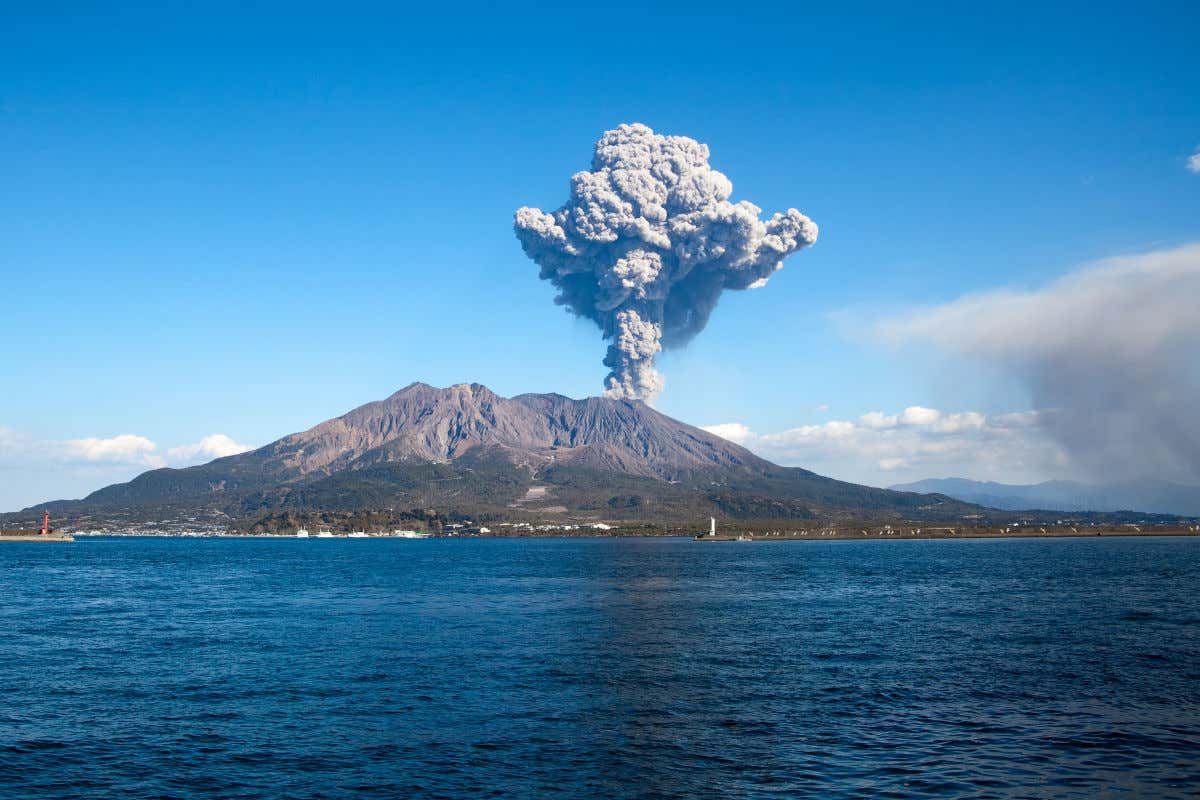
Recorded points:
(469, 450)
(1147, 496)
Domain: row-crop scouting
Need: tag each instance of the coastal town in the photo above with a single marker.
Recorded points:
(220, 526)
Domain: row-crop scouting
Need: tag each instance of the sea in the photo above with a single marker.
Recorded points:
(600, 668)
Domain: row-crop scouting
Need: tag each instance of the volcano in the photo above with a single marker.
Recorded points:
(466, 450)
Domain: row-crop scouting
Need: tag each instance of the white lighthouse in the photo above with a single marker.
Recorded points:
(712, 526)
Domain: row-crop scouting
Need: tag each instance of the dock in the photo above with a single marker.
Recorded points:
(46, 534)
(35, 537)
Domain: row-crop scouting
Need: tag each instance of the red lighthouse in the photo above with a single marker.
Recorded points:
(45, 523)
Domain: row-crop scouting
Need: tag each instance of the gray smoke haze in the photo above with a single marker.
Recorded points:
(646, 244)
(1110, 355)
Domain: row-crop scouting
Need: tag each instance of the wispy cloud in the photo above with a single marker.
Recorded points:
(880, 448)
(1193, 162)
(1107, 352)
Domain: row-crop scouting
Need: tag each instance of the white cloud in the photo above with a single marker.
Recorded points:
(33, 470)
(125, 448)
(822, 408)
(218, 445)
(18, 448)
(735, 432)
(919, 442)
(953, 423)
(1193, 162)
(1108, 353)
(877, 420)
(918, 415)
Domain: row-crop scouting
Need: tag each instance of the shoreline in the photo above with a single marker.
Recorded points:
(934, 537)
(847, 536)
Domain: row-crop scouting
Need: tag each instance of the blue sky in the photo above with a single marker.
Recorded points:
(247, 221)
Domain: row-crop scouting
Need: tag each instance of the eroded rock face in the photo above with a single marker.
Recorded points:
(426, 423)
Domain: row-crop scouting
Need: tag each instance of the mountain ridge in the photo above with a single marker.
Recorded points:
(1155, 497)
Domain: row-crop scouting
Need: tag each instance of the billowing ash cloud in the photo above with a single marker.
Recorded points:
(646, 244)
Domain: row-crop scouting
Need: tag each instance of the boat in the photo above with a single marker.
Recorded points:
(358, 535)
(411, 535)
(302, 534)
(324, 535)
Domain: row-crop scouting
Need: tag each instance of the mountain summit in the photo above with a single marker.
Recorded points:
(465, 449)
(423, 423)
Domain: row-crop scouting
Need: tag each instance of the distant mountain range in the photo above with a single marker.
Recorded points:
(1145, 496)
(466, 450)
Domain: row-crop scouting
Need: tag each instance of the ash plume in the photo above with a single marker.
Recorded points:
(646, 244)
(1108, 354)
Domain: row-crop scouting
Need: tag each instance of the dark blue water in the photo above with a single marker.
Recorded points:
(600, 668)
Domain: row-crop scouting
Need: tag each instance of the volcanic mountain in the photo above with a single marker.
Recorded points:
(466, 450)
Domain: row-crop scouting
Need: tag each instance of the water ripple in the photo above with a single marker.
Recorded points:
(600, 669)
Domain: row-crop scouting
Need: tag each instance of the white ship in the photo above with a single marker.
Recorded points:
(358, 535)
(324, 534)
(411, 535)
(302, 534)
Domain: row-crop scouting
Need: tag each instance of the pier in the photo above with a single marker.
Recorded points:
(45, 534)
